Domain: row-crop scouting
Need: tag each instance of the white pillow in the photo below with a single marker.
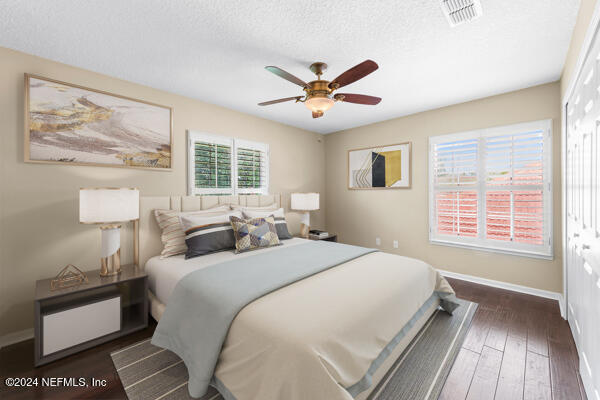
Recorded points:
(172, 236)
(271, 207)
(262, 213)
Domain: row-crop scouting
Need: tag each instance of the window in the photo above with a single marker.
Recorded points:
(251, 161)
(491, 189)
(226, 166)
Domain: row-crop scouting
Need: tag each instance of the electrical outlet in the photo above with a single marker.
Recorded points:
(378, 241)
(395, 244)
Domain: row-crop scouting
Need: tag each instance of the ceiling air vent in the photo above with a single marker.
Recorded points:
(461, 11)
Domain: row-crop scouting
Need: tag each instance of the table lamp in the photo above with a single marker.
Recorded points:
(108, 207)
(305, 202)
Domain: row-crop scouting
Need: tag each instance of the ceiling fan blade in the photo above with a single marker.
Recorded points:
(358, 98)
(286, 75)
(353, 74)
(318, 114)
(266, 103)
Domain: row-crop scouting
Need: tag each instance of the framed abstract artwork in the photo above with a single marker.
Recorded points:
(71, 124)
(382, 167)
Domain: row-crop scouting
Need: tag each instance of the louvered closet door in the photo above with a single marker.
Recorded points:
(583, 219)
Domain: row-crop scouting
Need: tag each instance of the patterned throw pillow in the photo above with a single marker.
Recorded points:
(277, 213)
(254, 233)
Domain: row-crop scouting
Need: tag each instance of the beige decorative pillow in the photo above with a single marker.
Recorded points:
(172, 236)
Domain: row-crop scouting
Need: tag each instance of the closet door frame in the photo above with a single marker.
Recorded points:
(593, 28)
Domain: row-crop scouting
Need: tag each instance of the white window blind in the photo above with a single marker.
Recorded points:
(226, 166)
(252, 166)
(212, 166)
(491, 189)
(455, 174)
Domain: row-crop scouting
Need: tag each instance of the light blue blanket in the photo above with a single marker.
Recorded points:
(205, 302)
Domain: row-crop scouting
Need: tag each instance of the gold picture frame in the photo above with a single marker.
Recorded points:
(406, 182)
(127, 163)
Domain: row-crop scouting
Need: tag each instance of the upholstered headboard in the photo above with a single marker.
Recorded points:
(148, 232)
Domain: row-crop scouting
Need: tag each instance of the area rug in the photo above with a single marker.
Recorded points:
(150, 372)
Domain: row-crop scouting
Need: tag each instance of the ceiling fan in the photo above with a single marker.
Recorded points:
(319, 96)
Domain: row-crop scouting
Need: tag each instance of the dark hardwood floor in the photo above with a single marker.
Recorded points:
(518, 347)
(17, 361)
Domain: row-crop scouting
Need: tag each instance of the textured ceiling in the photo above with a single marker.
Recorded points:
(216, 50)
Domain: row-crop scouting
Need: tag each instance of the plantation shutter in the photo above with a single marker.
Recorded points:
(491, 189)
(221, 165)
(515, 181)
(252, 166)
(455, 174)
(212, 167)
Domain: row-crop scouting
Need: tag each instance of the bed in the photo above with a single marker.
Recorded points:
(331, 335)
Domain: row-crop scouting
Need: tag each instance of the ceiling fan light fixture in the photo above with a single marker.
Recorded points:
(319, 94)
(319, 103)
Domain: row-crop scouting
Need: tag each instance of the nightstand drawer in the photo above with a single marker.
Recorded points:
(68, 328)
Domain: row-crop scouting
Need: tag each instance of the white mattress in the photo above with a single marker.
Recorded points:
(163, 274)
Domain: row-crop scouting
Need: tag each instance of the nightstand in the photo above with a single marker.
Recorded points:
(74, 319)
(332, 237)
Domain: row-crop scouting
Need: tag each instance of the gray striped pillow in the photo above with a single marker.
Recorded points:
(278, 214)
(172, 236)
(204, 235)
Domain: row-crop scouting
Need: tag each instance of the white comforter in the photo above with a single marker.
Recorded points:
(318, 336)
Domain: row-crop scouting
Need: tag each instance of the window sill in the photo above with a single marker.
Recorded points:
(521, 253)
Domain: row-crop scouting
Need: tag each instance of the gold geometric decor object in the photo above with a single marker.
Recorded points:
(69, 276)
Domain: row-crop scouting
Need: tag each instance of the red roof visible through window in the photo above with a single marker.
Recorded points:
(457, 213)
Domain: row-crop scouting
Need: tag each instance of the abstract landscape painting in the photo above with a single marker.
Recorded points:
(383, 167)
(66, 123)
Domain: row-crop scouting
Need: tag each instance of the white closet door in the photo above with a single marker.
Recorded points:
(595, 350)
(583, 219)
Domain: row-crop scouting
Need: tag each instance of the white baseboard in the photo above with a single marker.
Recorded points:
(15, 337)
(510, 286)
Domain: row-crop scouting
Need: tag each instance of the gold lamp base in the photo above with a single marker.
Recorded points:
(111, 264)
(304, 224)
(304, 230)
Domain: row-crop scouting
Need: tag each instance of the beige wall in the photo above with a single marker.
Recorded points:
(359, 216)
(39, 229)
(584, 17)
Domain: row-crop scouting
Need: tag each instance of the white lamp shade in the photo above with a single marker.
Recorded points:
(103, 206)
(305, 201)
